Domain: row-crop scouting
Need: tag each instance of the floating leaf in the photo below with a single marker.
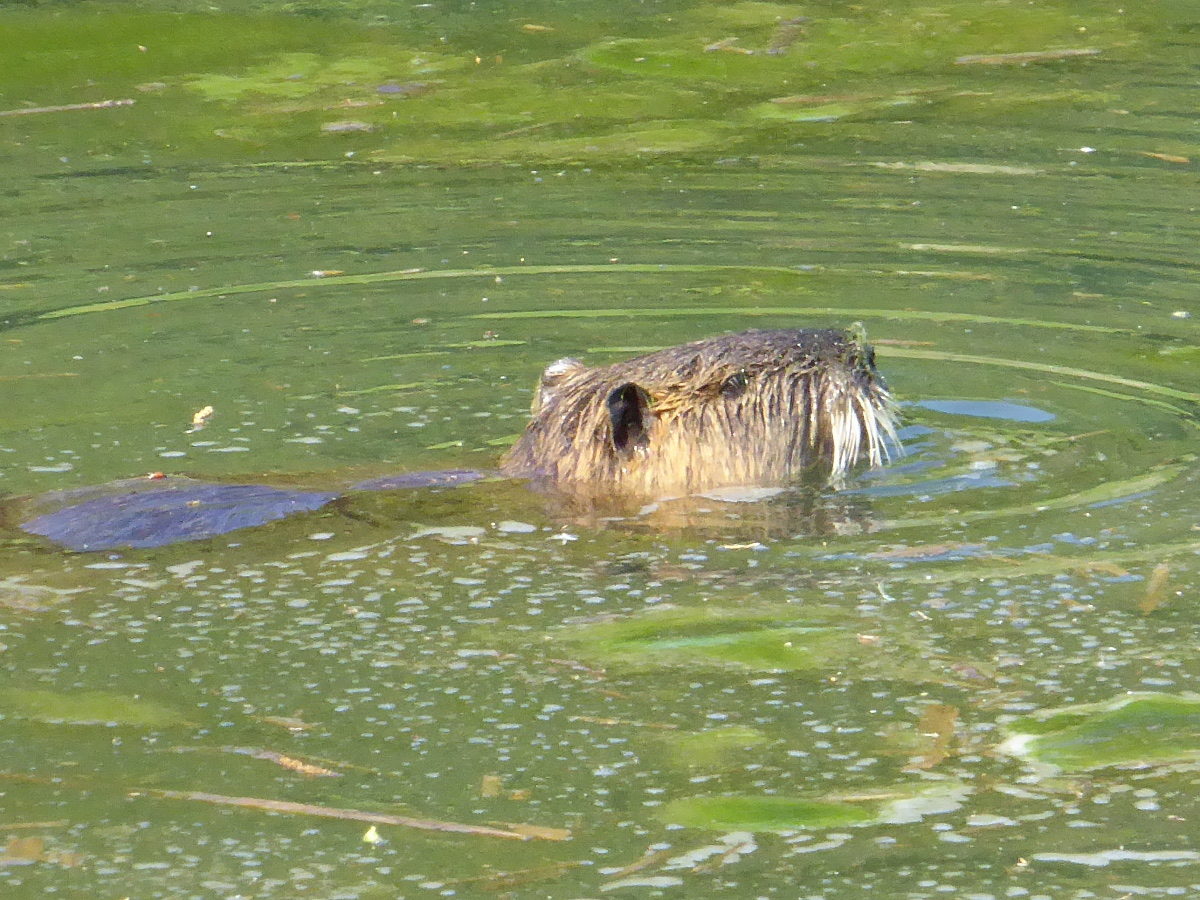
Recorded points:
(706, 637)
(17, 593)
(961, 168)
(760, 639)
(294, 81)
(452, 533)
(827, 112)
(764, 813)
(937, 722)
(714, 747)
(89, 708)
(1138, 729)
(778, 111)
(1156, 589)
(490, 787)
(903, 804)
(23, 851)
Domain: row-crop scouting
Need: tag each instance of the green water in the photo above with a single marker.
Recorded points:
(359, 230)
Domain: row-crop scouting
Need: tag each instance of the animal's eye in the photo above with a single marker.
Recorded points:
(735, 385)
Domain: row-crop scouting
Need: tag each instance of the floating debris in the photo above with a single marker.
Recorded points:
(293, 724)
(16, 593)
(1021, 59)
(29, 850)
(201, 418)
(961, 168)
(1156, 589)
(346, 127)
(528, 832)
(1165, 157)
(727, 44)
(937, 722)
(788, 33)
(405, 90)
(70, 107)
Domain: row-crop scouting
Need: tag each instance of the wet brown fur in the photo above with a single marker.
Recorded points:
(755, 408)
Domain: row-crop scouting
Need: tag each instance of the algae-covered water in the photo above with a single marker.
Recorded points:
(359, 230)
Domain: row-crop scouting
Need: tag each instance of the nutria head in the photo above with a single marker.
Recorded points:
(755, 408)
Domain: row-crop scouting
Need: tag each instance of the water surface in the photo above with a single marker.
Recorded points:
(358, 232)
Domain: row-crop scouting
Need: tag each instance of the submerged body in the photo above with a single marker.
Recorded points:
(159, 510)
(755, 408)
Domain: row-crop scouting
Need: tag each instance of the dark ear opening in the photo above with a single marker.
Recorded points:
(629, 413)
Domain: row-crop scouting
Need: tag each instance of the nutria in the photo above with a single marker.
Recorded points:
(751, 409)
(755, 408)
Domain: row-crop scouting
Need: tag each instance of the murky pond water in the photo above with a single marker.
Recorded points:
(358, 233)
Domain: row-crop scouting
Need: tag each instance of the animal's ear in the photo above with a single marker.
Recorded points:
(629, 412)
(556, 373)
(560, 369)
(859, 353)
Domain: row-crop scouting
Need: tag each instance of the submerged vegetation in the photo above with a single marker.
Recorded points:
(711, 79)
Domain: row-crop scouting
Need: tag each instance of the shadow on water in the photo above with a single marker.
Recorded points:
(359, 232)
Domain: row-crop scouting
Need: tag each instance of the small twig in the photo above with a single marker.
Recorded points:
(355, 815)
(1021, 59)
(70, 107)
(649, 858)
(524, 129)
(26, 375)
